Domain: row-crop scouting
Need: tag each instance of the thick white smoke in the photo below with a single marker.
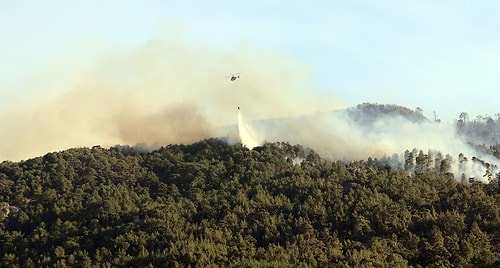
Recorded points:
(338, 135)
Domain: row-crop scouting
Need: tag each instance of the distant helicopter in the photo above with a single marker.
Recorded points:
(233, 76)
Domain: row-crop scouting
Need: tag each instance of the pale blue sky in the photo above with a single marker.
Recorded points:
(442, 56)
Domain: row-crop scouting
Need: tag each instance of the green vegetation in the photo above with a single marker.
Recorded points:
(211, 204)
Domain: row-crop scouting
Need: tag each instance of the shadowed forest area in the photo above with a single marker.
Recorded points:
(210, 203)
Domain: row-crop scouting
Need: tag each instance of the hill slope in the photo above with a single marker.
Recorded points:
(210, 203)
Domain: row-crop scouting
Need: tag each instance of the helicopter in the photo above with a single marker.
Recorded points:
(233, 77)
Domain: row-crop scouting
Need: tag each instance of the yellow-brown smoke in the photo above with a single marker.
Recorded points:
(160, 93)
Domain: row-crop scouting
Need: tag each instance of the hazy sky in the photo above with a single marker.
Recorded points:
(441, 56)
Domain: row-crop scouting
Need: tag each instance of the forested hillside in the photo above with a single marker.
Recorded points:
(210, 203)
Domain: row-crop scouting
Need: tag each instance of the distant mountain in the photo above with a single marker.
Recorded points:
(362, 114)
(366, 113)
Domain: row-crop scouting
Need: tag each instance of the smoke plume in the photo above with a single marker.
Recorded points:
(157, 94)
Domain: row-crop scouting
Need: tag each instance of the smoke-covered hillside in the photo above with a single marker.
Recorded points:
(391, 134)
(382, 132)
(214, 204)
(482, 131)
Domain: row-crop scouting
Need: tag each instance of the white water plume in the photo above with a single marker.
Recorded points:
(248, 135)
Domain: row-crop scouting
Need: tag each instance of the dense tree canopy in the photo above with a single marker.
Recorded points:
(210, 203)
